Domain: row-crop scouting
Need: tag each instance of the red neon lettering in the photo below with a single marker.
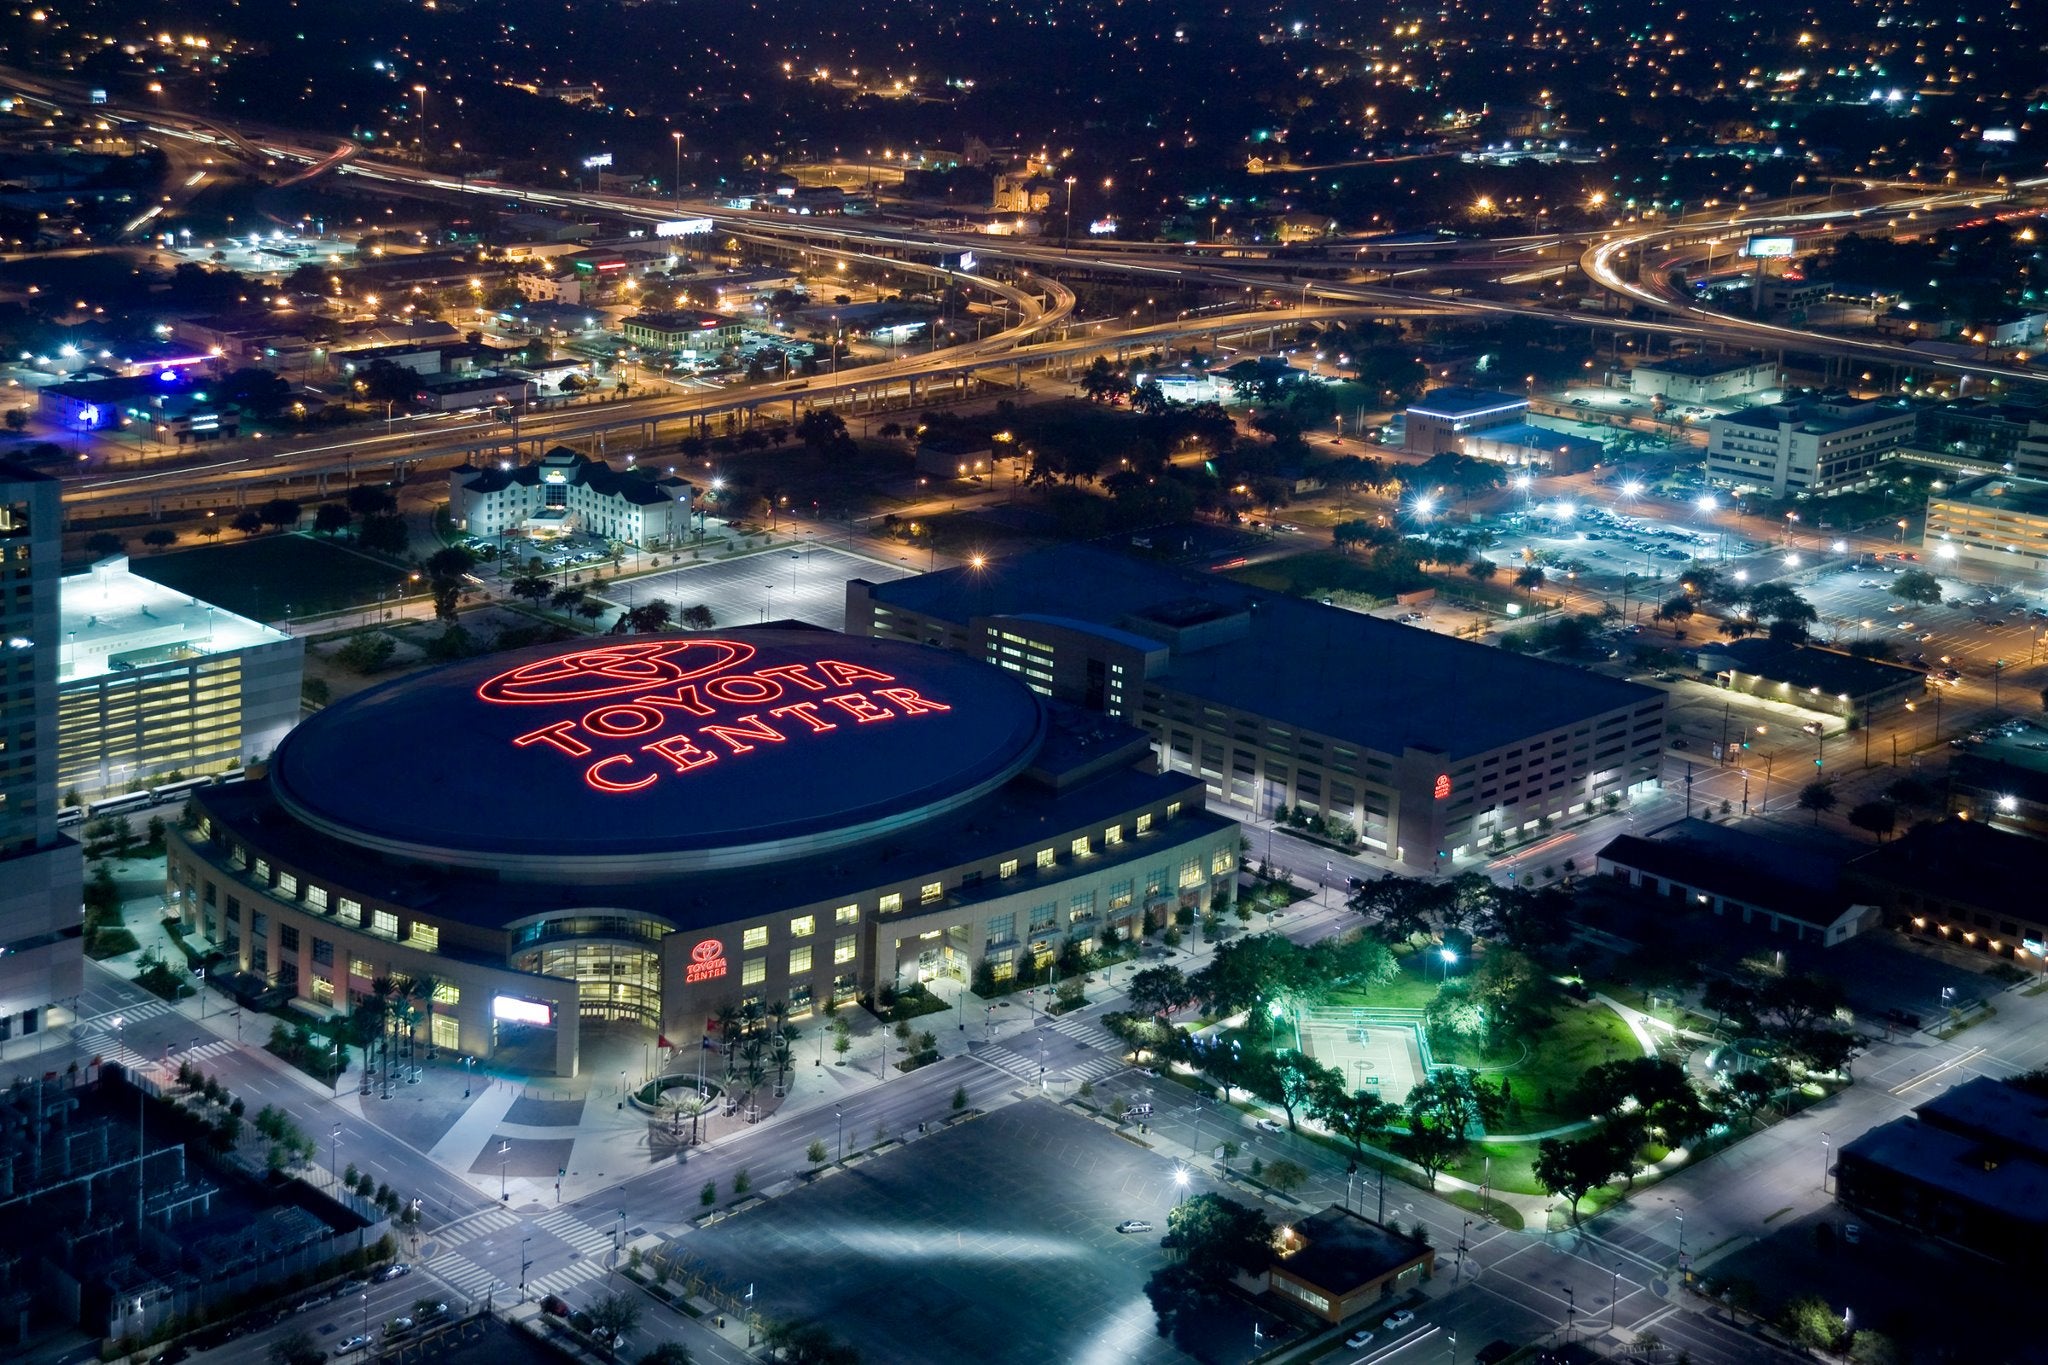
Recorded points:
(859, 707)
(746, 727)
(909, 699)
(556, 736)
(681, 751)
(621, 720)
(845, 674)
(588, 674)
(792, 673)
(596, 778)
(684, 698)
(807, 712)
(743, 687)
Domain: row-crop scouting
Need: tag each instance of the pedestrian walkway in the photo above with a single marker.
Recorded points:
(489, 1221)
(1095, 1067)
(462, 1275)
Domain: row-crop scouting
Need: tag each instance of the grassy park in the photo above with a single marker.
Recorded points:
(274, 577)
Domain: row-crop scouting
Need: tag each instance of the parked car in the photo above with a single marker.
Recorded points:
(1134, 1225)
(1269, 1126)
(1362, 1337)
(354, 1343)
(393, 1271)
(1396, 1321)
(555, 1306)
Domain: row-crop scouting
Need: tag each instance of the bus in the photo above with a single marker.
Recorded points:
(116, 805)
(171, 790)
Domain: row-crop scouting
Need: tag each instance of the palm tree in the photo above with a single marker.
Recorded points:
(422, 989)
(784, 1057)
(728, 1033)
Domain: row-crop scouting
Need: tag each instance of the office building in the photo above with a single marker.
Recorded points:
(1702, 378)
(154, 685)
(42, 871)
(697, 333)
(1408, 743)
(565, 492)
(1808, 444)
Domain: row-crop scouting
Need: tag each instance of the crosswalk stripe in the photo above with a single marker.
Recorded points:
(575, 1232)
(492, 1220)
(464, 1276)
(560, 1281)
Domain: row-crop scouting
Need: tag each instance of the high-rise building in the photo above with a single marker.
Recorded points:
(42, 871)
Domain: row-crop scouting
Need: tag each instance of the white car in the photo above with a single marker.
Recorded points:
(1134, 1225)
(1396, 1321)
(355, 1343)
(1362, 1337)
(1269, 1126)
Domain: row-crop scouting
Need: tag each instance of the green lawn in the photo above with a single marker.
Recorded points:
(1542, 1082)
(270, 576)
(1414, 988)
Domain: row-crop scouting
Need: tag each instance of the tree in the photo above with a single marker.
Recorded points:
(648, 617)
(1750, 1092)
(1817, 797)
(371, 500)
(385, 533)
(617, 1314)
(1876, 817)
(1286, 1176)
(296, 1348)
(279, 512)
(667, 1353)
(1813, 1323)
(817, 1152)
(104, 543)
(1356, 1116)
(1917, 585)
(248, 521)
(1300, 1083)
(698, 617)
(366, 651)
(159, 537)
(532, 587)
(1218, 1238)
(1159, 991)
(822, 429)
(805, 1343)
(331, 518)
(1571, 1168)
(1679, 608)
(17, 419)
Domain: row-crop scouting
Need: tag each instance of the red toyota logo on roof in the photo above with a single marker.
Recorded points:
(709, 950)
(588, 674)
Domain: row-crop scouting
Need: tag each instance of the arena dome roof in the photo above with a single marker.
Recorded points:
(647, 755)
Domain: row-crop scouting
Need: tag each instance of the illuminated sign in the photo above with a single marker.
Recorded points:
(2001, 135)
(967, 260)
(1769, 247)
(1443, 787)
(707, 961)
(591, 163)
(513, 1010)
(98, 96)
(683, 227)
(1102, 227)
(666, 708)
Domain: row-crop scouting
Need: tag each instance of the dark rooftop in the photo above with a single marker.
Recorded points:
(1379, 684)
(1961, 861)
(1344, 1250)
(1465, 402)
(1809, 668)
(1800, 880)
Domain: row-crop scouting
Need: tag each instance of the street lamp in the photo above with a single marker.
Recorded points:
(679, 169)
(1448, 956)
(1826, 1153)
(524, 1266)
(1180, 1183)
(504, 1166)
(839, 1118)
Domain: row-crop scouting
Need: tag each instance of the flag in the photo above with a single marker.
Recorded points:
(661, 1041)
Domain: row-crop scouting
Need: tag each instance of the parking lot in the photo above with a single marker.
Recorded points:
(1970, 629)
(992, 1241)
(806, 584)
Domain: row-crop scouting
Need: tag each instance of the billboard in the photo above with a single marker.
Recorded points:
(514, 1010)
(2001, 135)
(683, 227)
(591, 163)
(1769, 247)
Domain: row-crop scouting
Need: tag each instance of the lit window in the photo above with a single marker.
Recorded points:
(1172, 809)
(756, 937)
(288, 886)
(359, 967)
(1191, 872)
(316, 896)
(1045, 858)
(846, 914)
(1079, 848)
(384, 922)
(446, 994)
(1120, 894)
(800, 960)
(931, 891)
(323, 991)
(1222, 861)
(1113, 836)
(843, 949)
(803, 926)
(892, 902)
(352, 911)
(1008, 868)
(754, 971)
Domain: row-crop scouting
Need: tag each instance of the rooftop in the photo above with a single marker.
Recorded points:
(1771, 873)
(577, 469)
(1956, 1165)
(1344, 1250)
(1961, 861)
(1379, 684)
(1989, 1108)
(1701, 366)
(1454, 403)
(1532, 437)
(115, 621)
(1813, 669)
(1817, 415)
(2026, 497)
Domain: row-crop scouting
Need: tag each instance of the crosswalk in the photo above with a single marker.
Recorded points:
(128, 1014)
(563, 1280)
(595, 1244)
(1094, 1067)
(462, 1275)
(1087, 1029)
(482, 1224)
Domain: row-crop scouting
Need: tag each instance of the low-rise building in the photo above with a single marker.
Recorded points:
(1812, 677)
(175, 411)
(453, 392)
(1808, 444)
(1439, 420)
(1970, 1168)
(691, 331)
(1702, 378)
(940, 458)
(1765, 882)
(2003, 787)
(1995, 520)
(152, 683)
(1962, 883)
(565, 491)
(1337, 1264)
(1534, 447)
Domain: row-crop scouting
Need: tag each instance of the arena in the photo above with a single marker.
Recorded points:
(638, 833)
